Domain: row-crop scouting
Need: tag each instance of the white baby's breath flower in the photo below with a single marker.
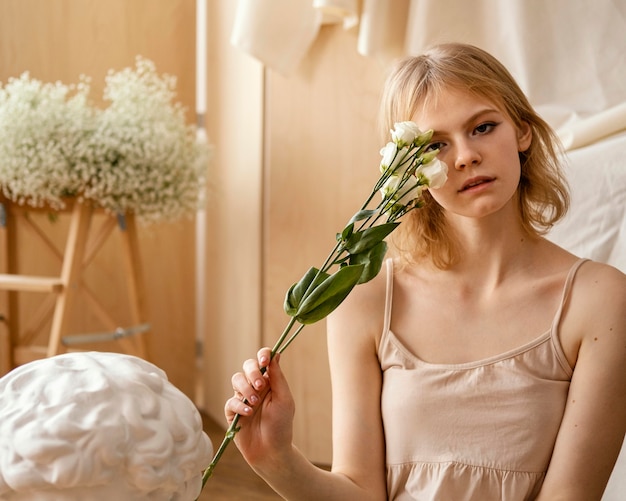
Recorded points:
(40, 127)
(137, 155)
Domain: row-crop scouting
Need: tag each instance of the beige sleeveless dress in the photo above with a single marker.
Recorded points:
(479, 431)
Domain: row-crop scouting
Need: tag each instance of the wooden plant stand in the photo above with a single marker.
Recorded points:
(83, 242)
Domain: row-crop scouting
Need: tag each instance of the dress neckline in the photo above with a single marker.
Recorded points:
(550, 335)
(472, 364)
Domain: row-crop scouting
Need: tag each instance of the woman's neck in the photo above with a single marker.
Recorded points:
(491, 249)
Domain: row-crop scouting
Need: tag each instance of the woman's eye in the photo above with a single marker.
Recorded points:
(484, 128)
(434, 146)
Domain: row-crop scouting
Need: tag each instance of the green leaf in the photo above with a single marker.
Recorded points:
(353, 240)
(347, 231)
(363, 214)
(296, 292)
(372, 261)
(362, 241)
(329, 294)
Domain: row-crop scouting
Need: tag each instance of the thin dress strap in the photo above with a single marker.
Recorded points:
(554, 331)
(388, 296)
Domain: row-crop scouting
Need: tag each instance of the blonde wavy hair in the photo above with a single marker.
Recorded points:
(543, 196)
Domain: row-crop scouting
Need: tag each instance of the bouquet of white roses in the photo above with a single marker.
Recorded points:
(408, 166)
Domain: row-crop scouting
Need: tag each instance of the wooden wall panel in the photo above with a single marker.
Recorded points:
(62, 39)
(294, 158)
(321, 161)
(233, 232)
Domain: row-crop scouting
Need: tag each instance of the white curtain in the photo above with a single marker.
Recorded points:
(569, 56)
(279, 32)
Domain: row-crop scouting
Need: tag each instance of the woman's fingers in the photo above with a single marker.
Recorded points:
(253, 374)
(264, 356)
(244, 389)
(249, 386)
(241, 402)
(234, 406)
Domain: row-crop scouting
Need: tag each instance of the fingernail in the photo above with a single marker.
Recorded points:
(264, 360)
(258, 384)
(247, 409)
(254, 399)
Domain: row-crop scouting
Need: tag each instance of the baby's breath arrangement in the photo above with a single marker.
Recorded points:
(42, 128)
(136, 155)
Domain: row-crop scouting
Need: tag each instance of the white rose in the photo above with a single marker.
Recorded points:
(392, 157)
(388, 153)
(435, 172)
(390, 186)
(403, 196)
(405, 133)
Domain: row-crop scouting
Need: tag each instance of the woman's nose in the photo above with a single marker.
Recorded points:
(466, 155)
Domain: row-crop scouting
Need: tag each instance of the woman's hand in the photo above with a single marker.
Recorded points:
(266, 408)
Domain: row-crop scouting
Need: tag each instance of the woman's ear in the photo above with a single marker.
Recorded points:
(524, 137)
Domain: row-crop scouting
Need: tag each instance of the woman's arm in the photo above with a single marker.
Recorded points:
(594, 423)
(354, 331)
(265, 437)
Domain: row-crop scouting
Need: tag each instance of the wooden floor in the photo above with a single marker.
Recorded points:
(233, 479)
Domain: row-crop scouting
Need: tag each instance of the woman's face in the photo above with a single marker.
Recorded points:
(480, 145)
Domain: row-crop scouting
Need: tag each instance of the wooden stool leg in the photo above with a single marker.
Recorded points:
(134, 278)
(5, 337)
(5, 350)
(70, 273)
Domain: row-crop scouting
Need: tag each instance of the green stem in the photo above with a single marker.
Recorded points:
(334, 258)
(228, 438)
(281, 344)
(282, 337)
(234, 428)
(293, 336)
(327, 264)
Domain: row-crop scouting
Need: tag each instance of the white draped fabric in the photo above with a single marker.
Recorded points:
(279, 32)
(569, 57)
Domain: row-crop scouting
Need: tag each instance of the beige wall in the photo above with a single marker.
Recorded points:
(233, 231)
(59, 40)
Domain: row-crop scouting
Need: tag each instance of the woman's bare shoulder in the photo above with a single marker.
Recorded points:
(362, 312)
(369, 294)
(594, 281)
(601, 283)
(598, 301)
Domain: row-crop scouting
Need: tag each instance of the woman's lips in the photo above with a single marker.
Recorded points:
(475, 182)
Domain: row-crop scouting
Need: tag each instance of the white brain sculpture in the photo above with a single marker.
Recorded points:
(98, 426)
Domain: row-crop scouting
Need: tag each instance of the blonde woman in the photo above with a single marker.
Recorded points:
(483, 362)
